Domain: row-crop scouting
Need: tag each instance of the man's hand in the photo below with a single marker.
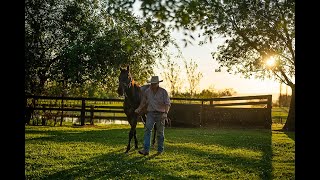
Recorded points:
(137, 111)
(164, 115)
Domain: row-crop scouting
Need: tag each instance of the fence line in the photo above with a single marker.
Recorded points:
(203, 107)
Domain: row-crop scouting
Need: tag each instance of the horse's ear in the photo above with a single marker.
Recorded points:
(128, 68)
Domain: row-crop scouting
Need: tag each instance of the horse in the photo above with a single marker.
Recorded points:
(133, 94)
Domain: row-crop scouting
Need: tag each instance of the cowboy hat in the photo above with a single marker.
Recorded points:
(154, 79)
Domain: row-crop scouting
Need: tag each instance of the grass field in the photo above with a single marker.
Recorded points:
(190, 153)
(279, 114)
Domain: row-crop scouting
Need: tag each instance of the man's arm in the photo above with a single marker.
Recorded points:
(142, 103)
(167, 102)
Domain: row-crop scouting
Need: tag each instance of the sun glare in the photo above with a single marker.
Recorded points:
(270, 62)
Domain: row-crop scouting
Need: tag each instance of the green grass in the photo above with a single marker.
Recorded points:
(190, 153)
(279, 114)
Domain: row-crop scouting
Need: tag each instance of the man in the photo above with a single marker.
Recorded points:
(158, 104)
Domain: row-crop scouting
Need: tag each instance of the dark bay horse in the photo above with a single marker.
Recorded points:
(132, 97)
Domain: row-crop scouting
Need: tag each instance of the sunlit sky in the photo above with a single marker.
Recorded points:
(219, 80)
(201, 54)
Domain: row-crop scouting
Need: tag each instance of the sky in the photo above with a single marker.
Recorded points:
(219, 80)
(201, 54)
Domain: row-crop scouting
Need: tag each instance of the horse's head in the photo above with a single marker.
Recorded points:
(124, 80)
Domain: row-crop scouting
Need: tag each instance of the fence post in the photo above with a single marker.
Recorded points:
(201, 112)
(269, 113)
(91, 114)
(83, 112)
(62, 106)
(43, 118)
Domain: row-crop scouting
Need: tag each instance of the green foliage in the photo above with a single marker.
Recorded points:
(207, 93)
(190, 153)
(254, 32)
(79, 43)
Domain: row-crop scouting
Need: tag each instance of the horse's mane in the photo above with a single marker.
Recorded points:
(138, 91)
(141, 87)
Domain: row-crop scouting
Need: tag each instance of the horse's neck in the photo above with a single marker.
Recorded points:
(132, 92)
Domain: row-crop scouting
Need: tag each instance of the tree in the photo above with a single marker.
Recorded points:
(171, 72)
(193, 76)
(254, 32)
(80, 43)
(260, 42)
(42, 40)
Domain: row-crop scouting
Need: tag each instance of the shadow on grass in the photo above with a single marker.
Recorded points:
(113, 165)
(256, 140)
(290, 134)
(111, 137)
(117, 165)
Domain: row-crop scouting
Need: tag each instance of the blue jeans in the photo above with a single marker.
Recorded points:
(154, 117)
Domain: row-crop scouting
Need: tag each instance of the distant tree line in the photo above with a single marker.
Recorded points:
(171, 71)
(99, 91)
(284, 100)
(207, 93)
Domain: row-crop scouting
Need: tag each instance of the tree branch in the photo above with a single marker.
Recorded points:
(288, 40)
(281, 79)
(287, 80)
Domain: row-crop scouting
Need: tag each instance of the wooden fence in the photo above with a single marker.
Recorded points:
(245, 111)
(184, 112)
(82, 108)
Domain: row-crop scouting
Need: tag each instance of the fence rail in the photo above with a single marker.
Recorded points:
(183, 111)
(224, 111)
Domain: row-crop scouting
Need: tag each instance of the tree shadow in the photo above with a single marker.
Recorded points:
(113, 165)
(112, 137)
(290, 134)
(256, 140)
(117, 165)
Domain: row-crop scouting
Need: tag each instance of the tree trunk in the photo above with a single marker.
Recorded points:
(290, 123)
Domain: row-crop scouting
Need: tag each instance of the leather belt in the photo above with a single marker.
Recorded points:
(156, 111)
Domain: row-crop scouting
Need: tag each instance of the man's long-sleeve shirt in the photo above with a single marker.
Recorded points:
(159, 101)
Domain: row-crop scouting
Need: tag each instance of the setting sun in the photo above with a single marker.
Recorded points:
(270, 62)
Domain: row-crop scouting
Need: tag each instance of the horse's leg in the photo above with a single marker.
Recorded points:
(131, 134)
(135, 133)
(130, 137)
